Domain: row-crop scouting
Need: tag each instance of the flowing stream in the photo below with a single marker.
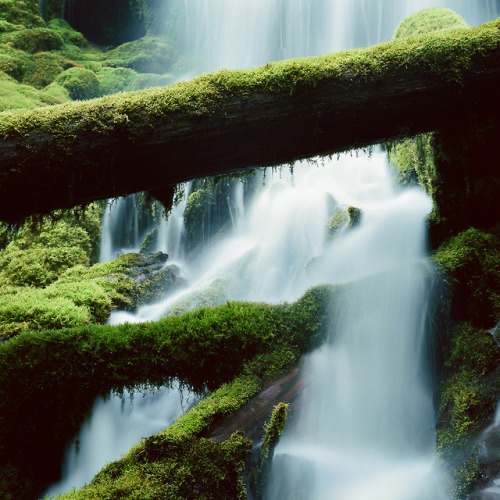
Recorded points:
(365, 430)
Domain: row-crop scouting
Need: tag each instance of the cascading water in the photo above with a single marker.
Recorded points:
(366, 430)
(116, 424)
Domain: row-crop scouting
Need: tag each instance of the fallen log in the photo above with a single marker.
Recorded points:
(63, 156)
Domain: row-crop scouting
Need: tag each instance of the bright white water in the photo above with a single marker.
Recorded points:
(116, 424)
(365, 429)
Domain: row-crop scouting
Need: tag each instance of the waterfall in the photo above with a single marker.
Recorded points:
(368, 432)
(366, 429)
(116, 424)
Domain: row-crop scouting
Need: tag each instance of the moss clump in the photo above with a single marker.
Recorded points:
(274, 429)
(67, 33)
(355, 216)
(468, 397)
(337, 222)
(149, 242)
(414, 160)
(428, 21)
(22, 13)
(470, 263)
(14, 95)
(34, 40)
(81, 83)
(185, 468)
(146, 55)
(194, 218)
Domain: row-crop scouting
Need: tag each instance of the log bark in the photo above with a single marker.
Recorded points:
(72, 163)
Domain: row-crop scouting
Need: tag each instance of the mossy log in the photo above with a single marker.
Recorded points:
(66, 155)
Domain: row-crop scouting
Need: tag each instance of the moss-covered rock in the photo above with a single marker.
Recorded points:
(429, 20)
(81, 83)
(195, 218)
(337, 222)
(34, 40)
(146, 55)
(470, 263)
(468, 397)
(67, 33)
(23, 13)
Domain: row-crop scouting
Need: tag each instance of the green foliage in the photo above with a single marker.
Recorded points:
(53, 9)
(275, 428)
(13, 64)
(194, 218)
(146, 55)
(414, 158)
(468, 396)
(149, 242)
(67, 33)
(185, 468)
(34, 40)
(415, 162)
(14, 95)
(81, 83)
(470, 263)
(355, 215)
(337, 221)
(31, 309)
(428, 21)
(22, 13)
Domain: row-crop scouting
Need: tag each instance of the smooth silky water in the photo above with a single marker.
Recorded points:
(365, 429)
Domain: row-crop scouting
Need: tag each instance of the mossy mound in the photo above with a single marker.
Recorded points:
(34, 40)
(338, 221)
(146, 55)
(470, 263)
(429, 20)
(67, 33)
(468, 398)
(14, 95)
(80, 83)
(23, 14)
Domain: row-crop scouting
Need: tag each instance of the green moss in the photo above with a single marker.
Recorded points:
(414, 160)
(467, 399)
(149, 242)
(34, 40)
(442, 56)
(470, 263)
(274, 428)
(24, 13)
(194, 219)
(355, 216)
(428, 21)
(112, 80)
(337, 221)
(81, 83)
(146, 55)
(181, 469)
(14, 95)
(13, 65)
(67, 33)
